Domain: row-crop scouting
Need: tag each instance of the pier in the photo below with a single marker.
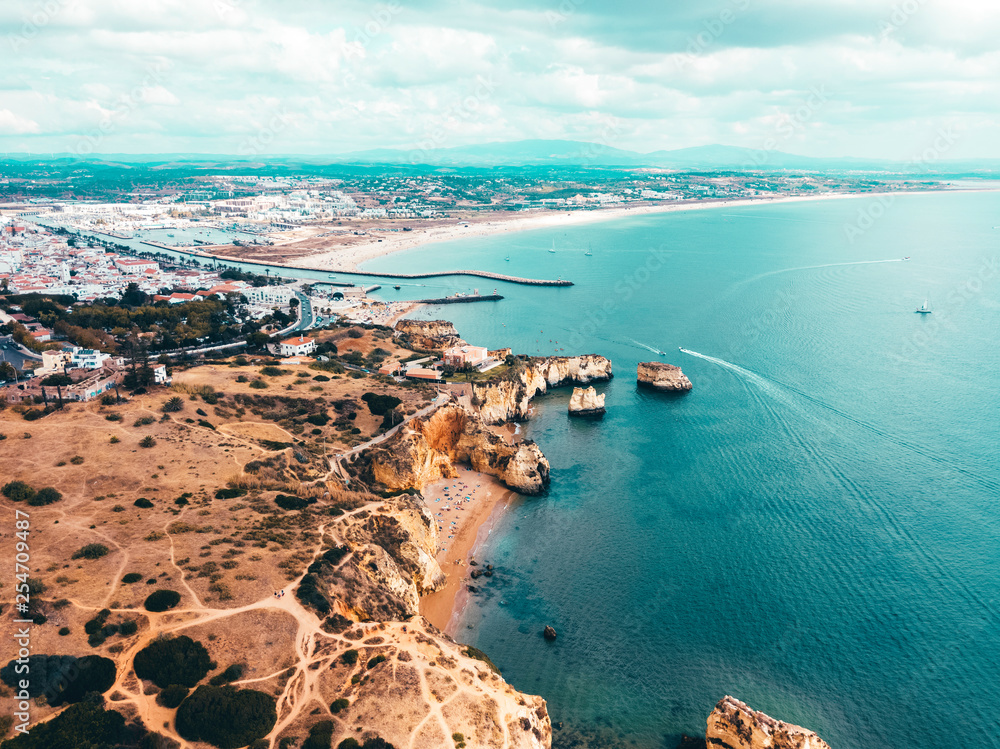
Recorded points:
(480, 273)
(461, 299)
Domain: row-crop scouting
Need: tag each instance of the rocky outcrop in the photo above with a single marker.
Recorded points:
(660, 376)
(430, 447)
(429, 335)
(586, 402)
(508, 398)
(733, 725)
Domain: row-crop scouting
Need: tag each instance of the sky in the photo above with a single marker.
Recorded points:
(896, 79)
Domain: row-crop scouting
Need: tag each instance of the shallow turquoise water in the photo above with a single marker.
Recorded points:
(814, 529)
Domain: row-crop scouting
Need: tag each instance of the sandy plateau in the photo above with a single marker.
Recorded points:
(240, 502)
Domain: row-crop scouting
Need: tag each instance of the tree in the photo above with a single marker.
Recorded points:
(46, 496)
(173, 405)
(58, 381)
(226, 717)
(17, 491)
(178, 660)
(81, 726)
(7, 371)
(161, 600)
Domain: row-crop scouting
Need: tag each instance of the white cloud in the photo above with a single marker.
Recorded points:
(12, 124)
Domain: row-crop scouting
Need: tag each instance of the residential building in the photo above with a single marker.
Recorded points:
(298, 346)
(461, 356)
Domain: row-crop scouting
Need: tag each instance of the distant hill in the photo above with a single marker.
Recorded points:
(537, 153)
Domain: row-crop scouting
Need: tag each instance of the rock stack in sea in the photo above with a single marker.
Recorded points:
(586, 402)
(732, 724)
(660, 376)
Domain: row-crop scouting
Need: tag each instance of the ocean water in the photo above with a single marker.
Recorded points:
(814, 529)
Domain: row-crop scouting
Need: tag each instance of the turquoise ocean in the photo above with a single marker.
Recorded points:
(814, 529)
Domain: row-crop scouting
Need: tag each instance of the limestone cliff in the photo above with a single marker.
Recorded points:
(660, 376)
(586, 402)
(428, 449)
(733, 725)
(509, 396)
(429, 335)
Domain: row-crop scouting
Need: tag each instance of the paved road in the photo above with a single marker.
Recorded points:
(13, 353)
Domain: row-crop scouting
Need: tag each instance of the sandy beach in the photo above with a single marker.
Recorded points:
(465, 509)
(347, 253)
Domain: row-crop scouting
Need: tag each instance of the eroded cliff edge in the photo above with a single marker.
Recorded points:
(427, 450)
(508, 398)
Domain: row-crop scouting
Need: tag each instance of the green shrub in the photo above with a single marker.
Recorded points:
(226, 717)
(143, 503)
(90, 551)
(206, 424)
(286, 502)
(258, 385)
(232, 673)
(128, 628)
(131, 577)
(339, 705)
(173, 695)
(350, 657)
(63, 678)
(17, 491)
(76, 460)
(375, 661)
(46, 496)
(144, 421)
(83, 725)
(161, 600)
(147, 441)
(229, 493)
(173, 405)
(380, 405)
(320, 736)
(177, 660)
(113, 417)
(63, 631)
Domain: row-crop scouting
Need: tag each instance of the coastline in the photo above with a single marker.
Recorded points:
(350, 258)
(474, 523)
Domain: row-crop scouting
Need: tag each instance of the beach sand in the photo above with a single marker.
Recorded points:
(473, 519)
(345, 257)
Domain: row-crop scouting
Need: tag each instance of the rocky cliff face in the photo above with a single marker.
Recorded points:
(586, 402)
(509, 397)
(429, 335)
(660, 376)
(733, 725)
(430, 447)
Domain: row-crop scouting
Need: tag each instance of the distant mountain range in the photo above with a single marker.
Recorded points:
(577, 153)
(556, 153)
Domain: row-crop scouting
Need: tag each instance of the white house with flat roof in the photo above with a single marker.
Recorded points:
(298, 346)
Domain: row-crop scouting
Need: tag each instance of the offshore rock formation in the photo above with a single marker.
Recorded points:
(660, 376)
(429, 335)
(508, 397)
(733, 725)
(429, 448)
(586, 402)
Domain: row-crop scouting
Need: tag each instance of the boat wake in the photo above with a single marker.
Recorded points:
(648, 348)
(785, 393)
(817, 267)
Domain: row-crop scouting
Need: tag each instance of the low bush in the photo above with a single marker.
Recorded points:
(46, 496)
(143, 503)
(339, 705)
(90, 551)
(17, 491)
(320, 735)
(131, 577)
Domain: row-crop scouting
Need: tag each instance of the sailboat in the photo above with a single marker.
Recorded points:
(507, 258)
(589, 251)
(553, 248)
(924, 309)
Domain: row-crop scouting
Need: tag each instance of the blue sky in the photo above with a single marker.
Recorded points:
(872, 78)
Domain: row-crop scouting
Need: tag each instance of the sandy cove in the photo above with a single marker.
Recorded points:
(463, 525)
